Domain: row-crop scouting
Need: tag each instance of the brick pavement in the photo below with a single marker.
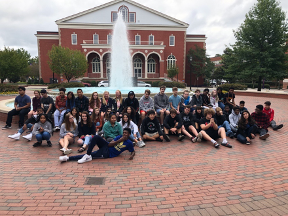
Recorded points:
(163, 179)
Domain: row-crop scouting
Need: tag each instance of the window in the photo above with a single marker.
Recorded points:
(114, 16)
(151, 39)
(109, 39)
(137, 40)
(124, 11)
(96, 65)
(108, 66)
(137, 67)
(132, 17)
(74, 39)
(151, 65)
(171, 61)
(172, 41)
(95, 39)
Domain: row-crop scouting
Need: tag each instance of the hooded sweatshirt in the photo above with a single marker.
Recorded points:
(146, 103)
(132, 103)
(234, 119)
(161, 101)
(151, 126)
(170, 122)
(197, 101)
(187, 101)
(47, 126)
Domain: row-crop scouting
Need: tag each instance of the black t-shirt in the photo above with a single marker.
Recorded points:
(221, 96)
(206, 122)
(46, 102)
(229, 96)
(187, 119)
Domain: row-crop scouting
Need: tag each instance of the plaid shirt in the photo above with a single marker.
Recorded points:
(82, 104)
(262, 119)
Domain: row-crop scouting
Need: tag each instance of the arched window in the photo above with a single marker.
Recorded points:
(137, 67)
(171, 61)
(151, 65)
(124, 10)
(96, 65)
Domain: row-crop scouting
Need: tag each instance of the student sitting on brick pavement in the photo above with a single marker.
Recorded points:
(174, 100)
(186, 100)
(146, 103)
(227, 112)
(246, 128)
(43, 130)
(262, 121)
(112, 128)
(242, 106)
(28, 124)
(197, 100)
(230, 98)
(173, 125)
(47, 104)
(118, 104)
(188, 126)
(270, 112)
(234, 119)
(210, 131)
(97, 119)
(68, 132)
(132, 101)
(150, 128)
(214, 100)
(221, 98)
(74, 112)
(131, 112)
(86, 130)
(106, 102)
(94, 102)
(106, 150)
(206, 98)
(60, 106)
(161, 104)
(222, 122)
(198, 116)
(70, 102)
(22, 106)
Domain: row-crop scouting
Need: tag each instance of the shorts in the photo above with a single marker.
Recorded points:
(213, 134)
(151, 134)
(142, 111)
(158, 111)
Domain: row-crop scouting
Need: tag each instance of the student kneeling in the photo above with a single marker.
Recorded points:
(106, 150)
(173, 125)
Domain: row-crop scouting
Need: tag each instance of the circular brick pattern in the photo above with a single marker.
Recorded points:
(164, 178)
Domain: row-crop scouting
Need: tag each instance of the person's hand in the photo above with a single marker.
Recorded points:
(41, 129)
(70, 134)
(221, 112)
(161, 137)
(164, 110)
(252, 135)
(173, 130)
(35, 113)
(248, 139)
(212, 120)
(17, 109)
(178, 112)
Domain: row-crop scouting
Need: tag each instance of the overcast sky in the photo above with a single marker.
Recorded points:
(19, 20)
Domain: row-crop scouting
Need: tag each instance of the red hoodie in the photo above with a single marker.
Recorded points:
(270, 113)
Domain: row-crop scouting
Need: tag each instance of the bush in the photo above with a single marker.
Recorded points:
(236, 86)
(65, 85)
(172, 84)
(8, 88)
(93, 83)
(155, 84)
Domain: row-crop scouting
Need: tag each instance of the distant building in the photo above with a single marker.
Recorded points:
(157, 41)
(217, 61)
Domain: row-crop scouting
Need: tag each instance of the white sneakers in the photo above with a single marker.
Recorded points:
(28, 137)
(63, 158)
(15, 136)
(199, 137)
(67, 151)
(85, 158)
(140, 144)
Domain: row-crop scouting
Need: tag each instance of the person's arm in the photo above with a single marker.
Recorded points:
(120, 130)
(151, 104)
(135, 127)
(167, 103)
(49, 129)
(50, 105)
(178, 107)
(132, 155)
(266, 123)
(179, 120)
(157, 125)
(193, 102)
(57, 103)
(142, 127)
(113, 142)
(214, 124)
(272, 115)
(35, 129)
(205, 127)
(166, 122)
(156, 103)
(137, 105)
(62, 131)
(141, 104)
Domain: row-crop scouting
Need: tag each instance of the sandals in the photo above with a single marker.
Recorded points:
(81, 149)
(226, 145)
(216, 145)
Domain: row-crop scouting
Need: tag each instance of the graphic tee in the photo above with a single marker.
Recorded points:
(120, 147)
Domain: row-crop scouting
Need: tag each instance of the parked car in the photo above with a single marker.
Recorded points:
(78, 81)
(143, 84)
(103, 83)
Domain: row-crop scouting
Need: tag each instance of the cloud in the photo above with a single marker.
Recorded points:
(20, 20)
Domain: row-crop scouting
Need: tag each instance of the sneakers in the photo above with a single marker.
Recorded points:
(67, 151)
(158, 139)
(62, 149)
(56, 128)
(49, 144)
(6, 127)
(199, 137)
(181, 137)
(85, 158)
(140, 144)
(15, 136)
(216, 145)
(264, 137)
(28, 137)
(248, 143)
(278, 127)
(226, 145)
(194, 139)
(63, 158)
(37, 144)
(166, 137)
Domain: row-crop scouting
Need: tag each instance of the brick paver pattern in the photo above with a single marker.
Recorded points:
(163, 179)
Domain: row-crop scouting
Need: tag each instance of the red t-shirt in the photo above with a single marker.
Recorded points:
(270, 113)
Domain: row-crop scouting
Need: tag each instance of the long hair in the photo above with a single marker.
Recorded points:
(94, 116)
(92, 101)
(103, 99)
(77, 113)
(121, 99)
(132, 111)
(129, 119)
(69, 100)
(68, 124)
(106, 116)
(242, 120)
(216, 95)
(89, 123)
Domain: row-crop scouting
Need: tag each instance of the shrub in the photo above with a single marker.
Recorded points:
(41, 81)
(156, 84)
(65, 85)
(236, 86)
(93, 83)
(168, 84)
(8, 88)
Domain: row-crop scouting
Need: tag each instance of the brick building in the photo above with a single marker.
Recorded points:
(157, 41)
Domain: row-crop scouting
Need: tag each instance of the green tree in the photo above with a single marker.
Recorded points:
(13, 64)
(218, 75)
(261, 42)
(67, 62)
(201, 65)
(172, 72)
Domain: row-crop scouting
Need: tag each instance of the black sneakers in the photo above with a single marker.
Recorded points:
(37, 144)
(6, 127)
(166, 137)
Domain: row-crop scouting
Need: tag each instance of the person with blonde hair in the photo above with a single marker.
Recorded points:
(107, 102)
(118, 104)
(94, 102)
(214, 99)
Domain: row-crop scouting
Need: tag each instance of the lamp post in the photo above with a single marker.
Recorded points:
(190, 70)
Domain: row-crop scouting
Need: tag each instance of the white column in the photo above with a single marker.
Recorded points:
(146, 68)
(101, 67)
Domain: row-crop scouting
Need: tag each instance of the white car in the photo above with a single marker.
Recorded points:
(143, 84)
(104, 83)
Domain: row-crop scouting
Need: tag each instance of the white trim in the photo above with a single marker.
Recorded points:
(170, 41)
(152, 64)
(47, 37)
(190, 40)
(138, 52)
(103, 46)
(154, 53)
(72, 39)
(107, 52)
(93, 51)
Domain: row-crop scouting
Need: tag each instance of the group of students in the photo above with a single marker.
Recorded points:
(118, 124)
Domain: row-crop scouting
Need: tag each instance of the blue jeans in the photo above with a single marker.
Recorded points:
(87, 139)
(221, 105)
(58, 114)
(29, 126)
(248, 132)
(131, 137)
(97, 124)
(226, 125)
(43, 136)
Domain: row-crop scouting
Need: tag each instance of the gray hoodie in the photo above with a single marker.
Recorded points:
(63, 131)
(161, 101)
(234, 119)
(46, 126)
(146, 104)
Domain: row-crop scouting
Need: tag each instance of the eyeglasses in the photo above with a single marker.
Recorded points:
(71, 117)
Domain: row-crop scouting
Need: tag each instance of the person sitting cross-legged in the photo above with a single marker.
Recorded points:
(234, 118)
(150, 128)
(106, 150)
(222, 122)
(262, 121)
(246, 128)
(270, 112)
(173, 125)
(210, 131)
(189, 125)
(68, 132)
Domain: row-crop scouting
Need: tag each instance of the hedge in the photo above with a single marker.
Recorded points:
(8, 88)
(250, 85)
(168, 84)
(236, 86)
(93, 83)
(65, 85)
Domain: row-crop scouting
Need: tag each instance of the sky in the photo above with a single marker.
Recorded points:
(20, 20)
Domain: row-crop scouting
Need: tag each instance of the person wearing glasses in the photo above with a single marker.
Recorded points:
(47, 103)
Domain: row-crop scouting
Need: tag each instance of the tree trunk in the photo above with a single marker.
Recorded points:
(253, 84)
(259, 83)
